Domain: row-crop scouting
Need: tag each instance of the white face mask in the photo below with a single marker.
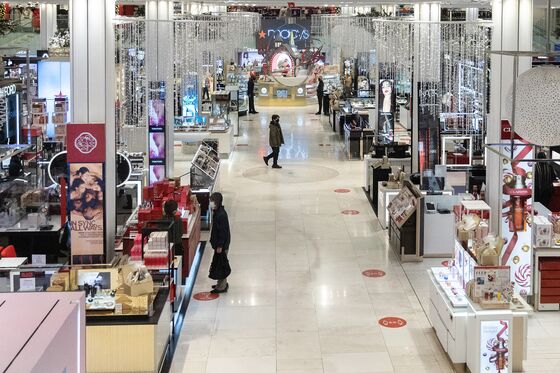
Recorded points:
(212, 205)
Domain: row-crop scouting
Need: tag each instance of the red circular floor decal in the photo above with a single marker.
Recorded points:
(445, 263)
(373, 273)
(350, 212)
(392, 322)
(205, 296)
(342, 190)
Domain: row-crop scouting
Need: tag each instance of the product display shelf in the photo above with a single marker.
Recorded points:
(406, 224)
(469, 334)
(546, 270)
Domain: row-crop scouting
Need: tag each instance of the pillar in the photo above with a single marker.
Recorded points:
(513, 30)
(48, 23)
(159, 59)
(92, 99)
(472, 14)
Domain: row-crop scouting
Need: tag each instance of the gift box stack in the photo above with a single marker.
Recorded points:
(542, 231)
(157, 194)
(156, 251)
(550, 280)
(60, 117)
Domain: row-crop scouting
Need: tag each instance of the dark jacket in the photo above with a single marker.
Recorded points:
(251, 87)
(220, 235)
(275, 136)
(176, 233)
(320, 88)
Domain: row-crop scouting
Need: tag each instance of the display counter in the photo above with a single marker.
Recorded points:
(132, 343)
(439, 225)
(473, 336)
(225, 139)
(276, 94)
(43, 332)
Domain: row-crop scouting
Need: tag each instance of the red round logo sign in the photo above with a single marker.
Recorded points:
(373, 273)
(85, 142)
(205, 296)
(392, 322)
(350, 212)
(342, 190)
(445, 263)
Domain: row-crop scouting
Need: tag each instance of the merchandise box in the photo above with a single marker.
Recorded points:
(542, 232)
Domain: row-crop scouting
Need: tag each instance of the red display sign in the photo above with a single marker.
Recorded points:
(392, 322)
(85, 143)
(205, 296)
(373, 273)
(506, 131)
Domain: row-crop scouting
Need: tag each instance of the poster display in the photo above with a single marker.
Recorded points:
(86, 207)
(386, 111)
(494, 343)
(156, 132)
(517, 192)
(86, 186)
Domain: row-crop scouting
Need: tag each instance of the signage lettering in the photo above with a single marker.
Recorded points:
(8, 90)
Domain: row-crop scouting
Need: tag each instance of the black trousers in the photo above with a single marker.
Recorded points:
(251, 104)
(320, 99)
(205, 94)
(274, 154)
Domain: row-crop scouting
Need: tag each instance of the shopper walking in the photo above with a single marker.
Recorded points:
(320, 89)
(276, 139)
(220, 238)
(251, 94)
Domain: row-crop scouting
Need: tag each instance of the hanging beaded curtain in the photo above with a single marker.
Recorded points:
(449, 65)
(197, 42)
(130, 78)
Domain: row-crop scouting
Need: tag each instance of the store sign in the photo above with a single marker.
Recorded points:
(85, 142)
(494, 346)
(506, 131)
(8, 90)
(272, 29)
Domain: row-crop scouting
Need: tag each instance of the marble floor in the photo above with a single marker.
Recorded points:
(298, 302)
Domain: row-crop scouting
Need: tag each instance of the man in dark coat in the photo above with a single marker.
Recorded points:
(276, 139)
(251, 94)
(220, 236)
(320, 90)
(544, 180)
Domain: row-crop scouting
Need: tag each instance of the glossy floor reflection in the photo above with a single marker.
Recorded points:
(297, 300)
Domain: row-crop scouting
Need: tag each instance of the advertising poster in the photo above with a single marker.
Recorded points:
(85, 204)
(517, 192)
(386, 111)
(156, 113)
(494, 346)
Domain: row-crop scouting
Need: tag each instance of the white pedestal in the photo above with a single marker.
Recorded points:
(225, 139)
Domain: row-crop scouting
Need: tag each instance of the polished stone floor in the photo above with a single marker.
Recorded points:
(298, 302)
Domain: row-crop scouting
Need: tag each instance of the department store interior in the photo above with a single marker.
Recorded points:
(409, 221)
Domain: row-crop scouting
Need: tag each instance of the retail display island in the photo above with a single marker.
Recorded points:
(276, 94)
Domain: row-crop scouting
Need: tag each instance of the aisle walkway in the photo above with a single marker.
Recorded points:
(298, 301)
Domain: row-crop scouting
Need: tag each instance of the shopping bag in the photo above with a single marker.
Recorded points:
(220, 268)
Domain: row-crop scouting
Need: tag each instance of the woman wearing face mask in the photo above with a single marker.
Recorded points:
(219, 239)
(276, 139)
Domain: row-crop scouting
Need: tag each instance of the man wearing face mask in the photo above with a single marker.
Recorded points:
(276, 139)
(219, 237)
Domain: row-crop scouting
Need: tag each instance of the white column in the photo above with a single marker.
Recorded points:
(48, 23)
(513, 22)
(92, 99)
(159, 52)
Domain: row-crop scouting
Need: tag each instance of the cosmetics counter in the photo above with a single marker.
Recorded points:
(217, 121)
(276, 94)
(352, 110)
(128, 306)
(478, 318)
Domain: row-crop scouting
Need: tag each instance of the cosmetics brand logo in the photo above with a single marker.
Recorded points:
(85, 142)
